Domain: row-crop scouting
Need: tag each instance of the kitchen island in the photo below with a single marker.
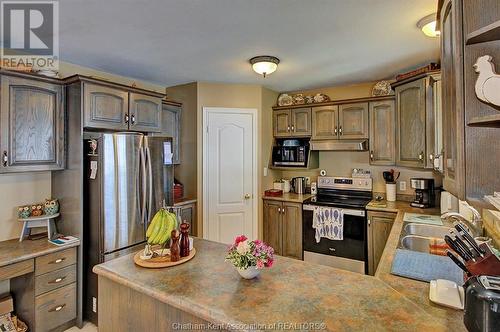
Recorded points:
(292, 294)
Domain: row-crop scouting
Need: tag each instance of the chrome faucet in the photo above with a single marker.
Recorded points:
(475, 225)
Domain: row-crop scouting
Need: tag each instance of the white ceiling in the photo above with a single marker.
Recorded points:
(320, 42)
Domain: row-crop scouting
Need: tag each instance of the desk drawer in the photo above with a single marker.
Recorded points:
(55, 261)
(55, 279)
(16, 269)
(55, 308)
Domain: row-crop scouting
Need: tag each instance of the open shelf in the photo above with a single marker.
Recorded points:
(488, 33)
(492, 121)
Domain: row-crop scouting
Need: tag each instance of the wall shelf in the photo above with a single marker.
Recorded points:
(485, 34)
(492, 121)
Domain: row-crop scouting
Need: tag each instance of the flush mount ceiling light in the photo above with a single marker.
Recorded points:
(264, 64)
(428, 25)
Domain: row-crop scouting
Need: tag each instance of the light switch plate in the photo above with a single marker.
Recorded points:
(402, 185)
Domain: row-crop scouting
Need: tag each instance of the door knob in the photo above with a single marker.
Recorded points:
(248, 196)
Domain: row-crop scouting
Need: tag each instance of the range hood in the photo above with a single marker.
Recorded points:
(339, 145)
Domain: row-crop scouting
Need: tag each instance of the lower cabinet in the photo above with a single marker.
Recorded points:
(379, 228)
(283, 227)
(187, 212)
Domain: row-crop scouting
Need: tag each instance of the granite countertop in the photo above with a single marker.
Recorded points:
(416, 291)
(291, 291)
(13, 251)
(289, 197)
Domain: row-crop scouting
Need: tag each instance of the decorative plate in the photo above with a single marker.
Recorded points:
(321, 98)
(382, 88)
(285, 100)
(299, 99)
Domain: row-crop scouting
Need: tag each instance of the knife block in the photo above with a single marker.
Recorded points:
(487, 265)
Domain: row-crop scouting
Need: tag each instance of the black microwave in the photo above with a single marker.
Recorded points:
(290, 153)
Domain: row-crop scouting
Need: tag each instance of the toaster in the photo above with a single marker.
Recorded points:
(482, 303)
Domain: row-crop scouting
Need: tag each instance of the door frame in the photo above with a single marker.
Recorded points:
(255, 186)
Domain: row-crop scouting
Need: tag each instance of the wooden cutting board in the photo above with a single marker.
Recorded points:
(161, 261)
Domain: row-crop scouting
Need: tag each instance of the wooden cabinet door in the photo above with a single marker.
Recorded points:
(272, 225)
(382, 133)
(292, 230)
(452, 96)
(145, 113)
(379, 228)
(105, 107)
(171, 126)
(32, 125)
(411, 120)
(353, 121)
(282, 123)
(325, 122)
(301, 122)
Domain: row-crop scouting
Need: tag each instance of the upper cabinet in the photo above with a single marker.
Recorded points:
(116, 108)
(325, 122)
(171, 126)
(145, 113)
(353, 121)
(292, 123)
(415, 123)
(32, 125)
(452, 98)
(347, 121)
(105, 107)
(382, 133)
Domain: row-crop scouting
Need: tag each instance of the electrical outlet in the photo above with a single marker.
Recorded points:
(402, 185)
(265, 171)
(94, 304)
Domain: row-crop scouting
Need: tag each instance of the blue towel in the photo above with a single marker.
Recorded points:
(425, 267)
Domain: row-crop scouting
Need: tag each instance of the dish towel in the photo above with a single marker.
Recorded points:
(328, 223)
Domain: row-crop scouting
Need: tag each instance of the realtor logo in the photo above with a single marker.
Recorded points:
(30, 34)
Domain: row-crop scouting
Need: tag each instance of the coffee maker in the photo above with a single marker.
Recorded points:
(424, 193)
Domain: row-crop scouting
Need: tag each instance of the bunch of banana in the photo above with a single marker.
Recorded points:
(161, 227)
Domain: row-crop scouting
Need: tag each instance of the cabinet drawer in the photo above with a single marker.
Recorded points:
(55, 279)
(16, 269)
(55, 308)
(55, 261)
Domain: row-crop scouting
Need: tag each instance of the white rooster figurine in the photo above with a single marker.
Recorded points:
(488, 82)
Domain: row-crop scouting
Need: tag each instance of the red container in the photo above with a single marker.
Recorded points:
(273, 192)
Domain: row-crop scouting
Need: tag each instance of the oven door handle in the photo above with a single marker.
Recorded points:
(348, 212)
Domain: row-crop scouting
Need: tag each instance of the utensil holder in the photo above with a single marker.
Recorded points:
(487, 265)
(390, 189)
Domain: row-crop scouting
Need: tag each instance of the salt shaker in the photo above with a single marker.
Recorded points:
(185, 239)
(175, 251)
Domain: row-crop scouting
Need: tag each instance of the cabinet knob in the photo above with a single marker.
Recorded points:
(340, 130)
(5, 159)
(335, 130)
(248, 196)
(57, 308)
(332, 249)
(279, 210)
(369, 222)
(126, 118)
(371, 155)
(133, 119)
(293, 128)
(421, 156)
(431, 157)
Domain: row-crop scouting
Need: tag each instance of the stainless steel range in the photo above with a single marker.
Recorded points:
(351, 195)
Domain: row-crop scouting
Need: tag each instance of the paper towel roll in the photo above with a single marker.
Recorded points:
(390, 192)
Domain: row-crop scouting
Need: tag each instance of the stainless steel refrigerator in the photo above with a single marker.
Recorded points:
(129, 176)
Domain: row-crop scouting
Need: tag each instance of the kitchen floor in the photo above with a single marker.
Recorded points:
(87, 327)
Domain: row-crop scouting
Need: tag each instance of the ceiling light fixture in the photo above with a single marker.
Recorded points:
(264, 64)
(428, 25)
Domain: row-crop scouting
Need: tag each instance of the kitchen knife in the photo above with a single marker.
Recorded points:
(469, 239)
(453, 245)
(460, 241)
(457, 261)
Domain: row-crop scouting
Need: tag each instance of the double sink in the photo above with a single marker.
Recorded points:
(418, 237)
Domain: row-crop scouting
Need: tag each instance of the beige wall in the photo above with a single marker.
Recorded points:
(20, 189)
(340, 163)
(186, 171)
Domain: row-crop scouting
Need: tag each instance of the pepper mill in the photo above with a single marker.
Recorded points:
(175, 251)
(185, 239)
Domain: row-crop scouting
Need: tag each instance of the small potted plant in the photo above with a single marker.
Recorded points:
(250, 257)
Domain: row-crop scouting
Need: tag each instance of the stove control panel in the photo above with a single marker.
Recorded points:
(331, 182)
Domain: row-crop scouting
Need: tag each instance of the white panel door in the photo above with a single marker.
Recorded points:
(229, 174)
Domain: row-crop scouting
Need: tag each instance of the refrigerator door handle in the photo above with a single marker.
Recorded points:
(150, 183)
(142, 157)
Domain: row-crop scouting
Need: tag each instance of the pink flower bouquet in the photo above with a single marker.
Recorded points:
(250, 255)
